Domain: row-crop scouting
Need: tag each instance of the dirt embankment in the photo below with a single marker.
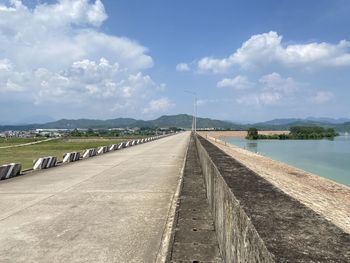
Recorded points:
(325, 197)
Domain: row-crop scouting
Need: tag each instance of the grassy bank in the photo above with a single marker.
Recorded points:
(26, 154)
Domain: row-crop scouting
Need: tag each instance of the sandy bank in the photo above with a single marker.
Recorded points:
(327, 198)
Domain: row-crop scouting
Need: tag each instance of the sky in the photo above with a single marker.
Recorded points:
(247, 61)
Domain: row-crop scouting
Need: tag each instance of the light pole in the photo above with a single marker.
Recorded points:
(194, 122)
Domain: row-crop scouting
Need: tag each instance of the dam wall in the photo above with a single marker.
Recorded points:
(257, 222)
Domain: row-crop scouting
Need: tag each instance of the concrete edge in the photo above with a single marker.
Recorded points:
(215, 182)
(164, 254)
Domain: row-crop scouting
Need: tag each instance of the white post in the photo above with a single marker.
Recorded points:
(195, 113)
(194, 119)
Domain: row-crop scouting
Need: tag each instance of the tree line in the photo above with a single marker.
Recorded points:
(295, 133)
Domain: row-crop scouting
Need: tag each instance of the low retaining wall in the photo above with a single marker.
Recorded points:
(257, 222)
(10, 170)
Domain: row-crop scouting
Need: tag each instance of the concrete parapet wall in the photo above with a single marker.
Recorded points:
(10, 170)
(257, 222)
(238, 239)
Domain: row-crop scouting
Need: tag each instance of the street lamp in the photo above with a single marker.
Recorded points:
(194, 122)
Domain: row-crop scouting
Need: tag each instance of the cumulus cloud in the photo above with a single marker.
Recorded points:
(182, 67)
(86, 83)
(276, 82)
(322, 97)
(158, 105)
(273, 88)
(264, 98)
(268, 48)
(239, 83)
(56, 54)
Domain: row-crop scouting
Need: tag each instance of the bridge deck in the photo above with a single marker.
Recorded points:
(111, 208)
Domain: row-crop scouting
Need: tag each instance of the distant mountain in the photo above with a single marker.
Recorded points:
(182, 121)
(87, 123)
(279, 121)
(185, 121)
(328, 120)
(322, 120)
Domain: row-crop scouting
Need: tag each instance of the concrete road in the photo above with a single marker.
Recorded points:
(111, 208)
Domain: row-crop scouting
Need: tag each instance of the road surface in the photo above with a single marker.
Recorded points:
(110, 208)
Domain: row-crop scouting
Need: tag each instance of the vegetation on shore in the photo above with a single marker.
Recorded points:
(296, 133)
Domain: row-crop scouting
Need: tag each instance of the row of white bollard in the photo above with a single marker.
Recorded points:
(10, 170)
(14, 169)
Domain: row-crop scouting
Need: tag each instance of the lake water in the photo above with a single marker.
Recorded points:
(327, 158)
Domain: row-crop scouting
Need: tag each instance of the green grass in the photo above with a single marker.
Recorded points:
(26, 154)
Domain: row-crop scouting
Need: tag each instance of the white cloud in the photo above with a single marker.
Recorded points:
(159, 105)
(267, 48)
(273, 90)
(322, 97)
(85, 83)
(55, 35)
(55, 54)
(238, 83)
(182, 67)
(201, 102)
(276, 82)
(264, 98)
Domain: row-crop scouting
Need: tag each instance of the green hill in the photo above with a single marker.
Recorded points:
(180, 121)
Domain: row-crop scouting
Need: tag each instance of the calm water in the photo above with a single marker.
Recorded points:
(330, 159)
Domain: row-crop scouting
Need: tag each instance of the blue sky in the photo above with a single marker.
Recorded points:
(246, 60)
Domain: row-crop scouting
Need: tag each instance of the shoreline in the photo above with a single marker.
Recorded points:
(326, 197)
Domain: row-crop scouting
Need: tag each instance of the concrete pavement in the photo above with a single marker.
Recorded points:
(111, 208)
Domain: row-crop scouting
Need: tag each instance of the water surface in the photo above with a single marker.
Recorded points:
(327, 158)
